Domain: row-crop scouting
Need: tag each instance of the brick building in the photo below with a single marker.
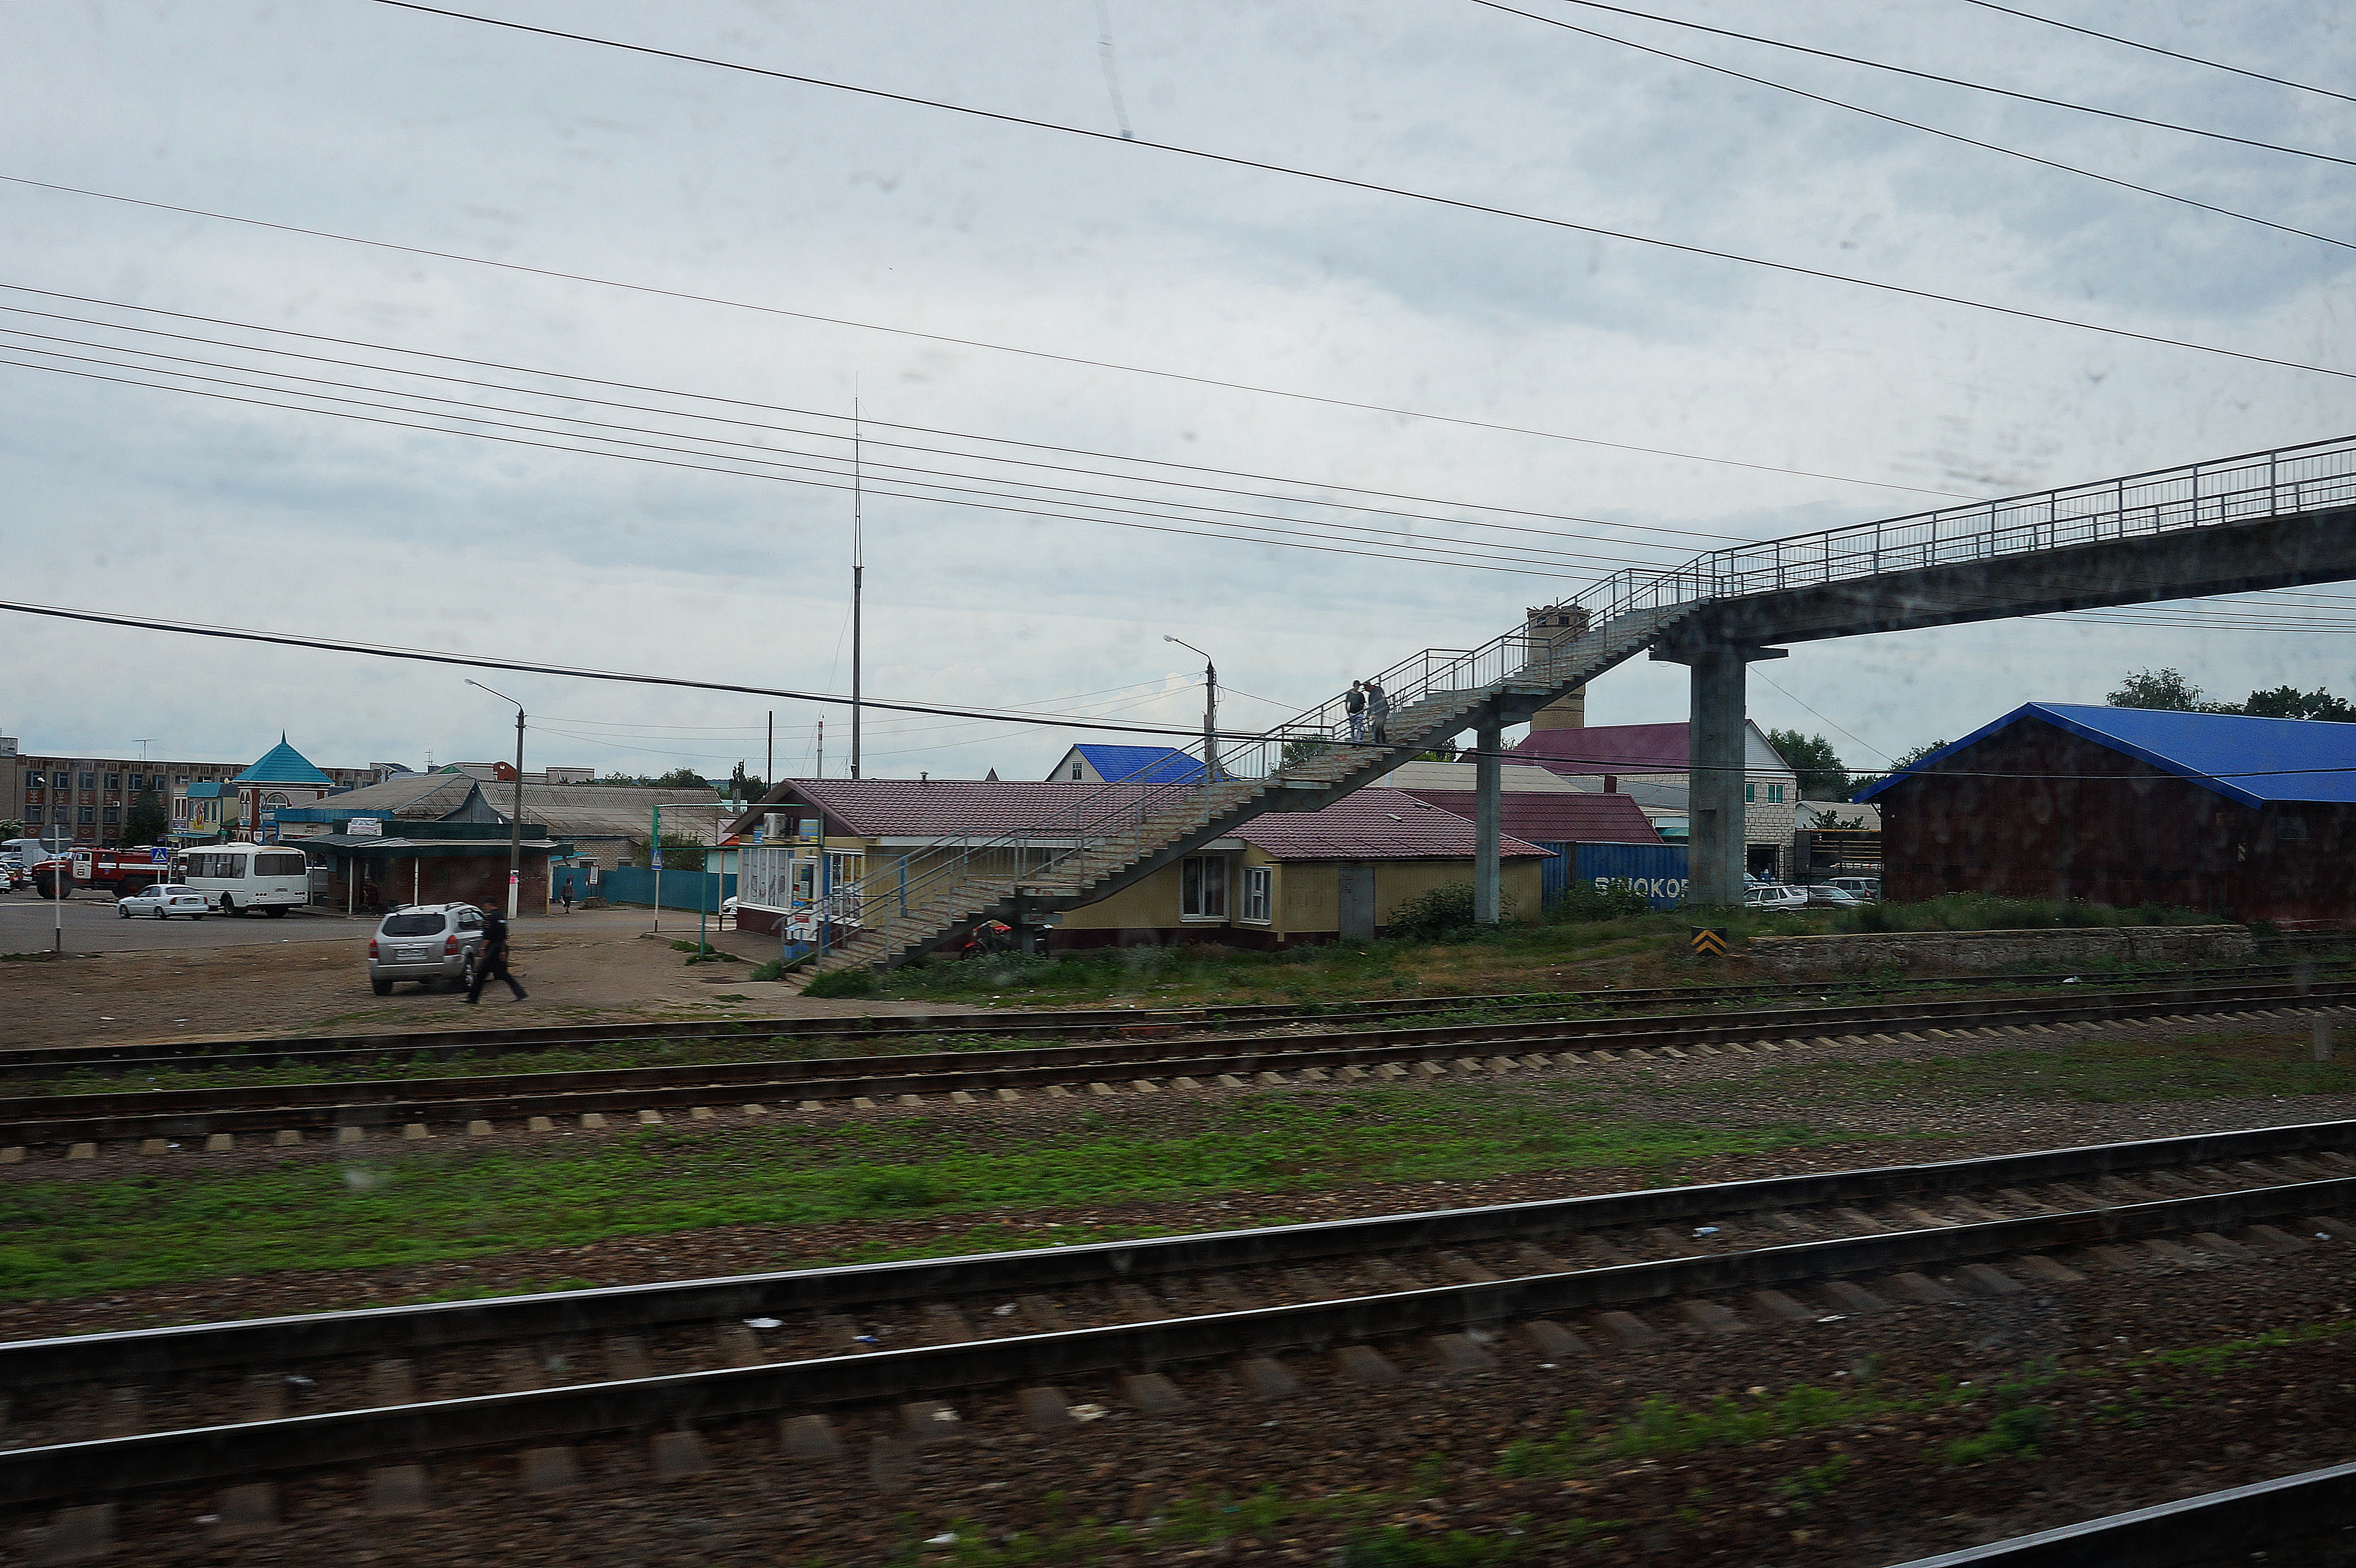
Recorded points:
(84, 799)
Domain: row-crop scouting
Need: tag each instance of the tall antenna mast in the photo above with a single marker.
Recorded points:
(858, 571)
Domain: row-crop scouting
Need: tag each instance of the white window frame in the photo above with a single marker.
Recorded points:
(1197, 876)
(1259, 895)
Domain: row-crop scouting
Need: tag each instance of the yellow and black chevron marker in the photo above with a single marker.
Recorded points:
(1709, 943)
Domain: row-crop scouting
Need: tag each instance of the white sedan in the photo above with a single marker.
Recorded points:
(164, 901)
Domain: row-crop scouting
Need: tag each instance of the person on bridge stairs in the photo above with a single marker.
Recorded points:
(1357, 705)
(1378, 713)
(491, 960)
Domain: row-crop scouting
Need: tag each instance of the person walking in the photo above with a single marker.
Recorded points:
(568, 895)
(1355, 703)
(491, 959)
(1378, 713)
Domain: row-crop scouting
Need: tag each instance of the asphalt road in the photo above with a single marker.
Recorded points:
(27, 925)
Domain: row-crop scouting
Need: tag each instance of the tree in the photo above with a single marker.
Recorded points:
(1823, 776)
(148, 820)
(681, 853)
(1441, 753)
(2165, 689)
(743, 785)
(1867, 780)
(2289, 702)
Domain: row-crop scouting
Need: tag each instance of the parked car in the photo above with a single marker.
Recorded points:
(425, 942)
(1824, 895)
(1773, 896)
(1866, 888)
(165, 899)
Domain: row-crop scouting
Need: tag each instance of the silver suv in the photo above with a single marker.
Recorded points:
(425, 942)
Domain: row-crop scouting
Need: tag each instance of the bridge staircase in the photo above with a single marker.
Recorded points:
(1121, 833)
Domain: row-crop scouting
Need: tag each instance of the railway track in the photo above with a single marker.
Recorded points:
(19, 1064)
(2301, 1519)
(354, 1111)
(812, 1364)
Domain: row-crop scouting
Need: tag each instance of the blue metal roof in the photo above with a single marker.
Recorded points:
(1141, 764)
(2255, 761)
(282, 764)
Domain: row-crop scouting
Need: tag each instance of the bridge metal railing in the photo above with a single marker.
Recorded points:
(2199, 495)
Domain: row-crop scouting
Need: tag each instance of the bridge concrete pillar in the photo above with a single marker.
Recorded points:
(1488, 776)
(1716, 745)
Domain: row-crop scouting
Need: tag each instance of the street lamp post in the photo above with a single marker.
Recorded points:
(1210, 710)
(515, 817)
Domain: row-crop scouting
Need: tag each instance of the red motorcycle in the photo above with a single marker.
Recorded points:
(990, 936)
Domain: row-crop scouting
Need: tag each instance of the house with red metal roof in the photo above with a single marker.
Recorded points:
(1650, 765)
(1278, 881)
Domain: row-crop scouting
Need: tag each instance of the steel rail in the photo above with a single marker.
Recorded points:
(148, 1461)
(387, 1330)
(17, 1062)
(2236, 1526)
(189, 1113)
(21, 1060)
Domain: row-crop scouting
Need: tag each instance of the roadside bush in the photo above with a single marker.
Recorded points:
(1441, 912)
(1584, 901)
(843, 983)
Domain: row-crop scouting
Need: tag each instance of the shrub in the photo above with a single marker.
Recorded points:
(1436, 912)
(1584, 901)
(843, 983)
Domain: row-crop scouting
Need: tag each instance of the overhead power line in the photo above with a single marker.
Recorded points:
(1917, 126)
(1243, 523)
(808, 413)
(1877, 65)
(657, 292)
(1248, 533)
(2155, 48)
(1346, 182)
(575, 672)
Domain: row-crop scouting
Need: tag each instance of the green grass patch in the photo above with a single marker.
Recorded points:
(71, 1238)
(1987, 912)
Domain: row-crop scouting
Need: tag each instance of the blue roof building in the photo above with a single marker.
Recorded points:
(2249, 818)
(1092, 764)
(282, 764)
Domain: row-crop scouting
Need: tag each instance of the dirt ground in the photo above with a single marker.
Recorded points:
(590, 967)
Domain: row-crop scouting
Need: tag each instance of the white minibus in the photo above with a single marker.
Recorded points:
(242, 876)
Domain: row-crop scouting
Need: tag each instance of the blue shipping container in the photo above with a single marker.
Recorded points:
(1656, 870)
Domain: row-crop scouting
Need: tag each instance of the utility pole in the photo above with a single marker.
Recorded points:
(769, 770)
(858, 573)
(1210, 710)
(515, 817)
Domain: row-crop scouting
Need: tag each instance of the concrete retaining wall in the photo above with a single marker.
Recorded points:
(1814, 955)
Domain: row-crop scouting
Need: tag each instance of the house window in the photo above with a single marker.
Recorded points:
(1750, 795)
(1258, 884)
(2290, 830)
(114, 816)
(64, 781)
(1076, 768)
(114, 781)
(88, 815)
(90, 781)
(1202, 886)
(1774, 795)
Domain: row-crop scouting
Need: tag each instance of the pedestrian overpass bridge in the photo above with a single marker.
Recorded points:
(2236, 525)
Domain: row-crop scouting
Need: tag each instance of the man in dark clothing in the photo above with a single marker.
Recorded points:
(1378, 713)
(491, 958)
(1356, 704)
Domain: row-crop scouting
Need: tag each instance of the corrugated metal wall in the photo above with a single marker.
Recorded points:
(1656, 870)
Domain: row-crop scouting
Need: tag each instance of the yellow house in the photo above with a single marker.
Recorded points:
(1282, 879)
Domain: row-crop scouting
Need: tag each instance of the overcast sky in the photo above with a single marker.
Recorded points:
(778, 202)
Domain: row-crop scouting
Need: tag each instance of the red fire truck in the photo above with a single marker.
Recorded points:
(119, 871)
